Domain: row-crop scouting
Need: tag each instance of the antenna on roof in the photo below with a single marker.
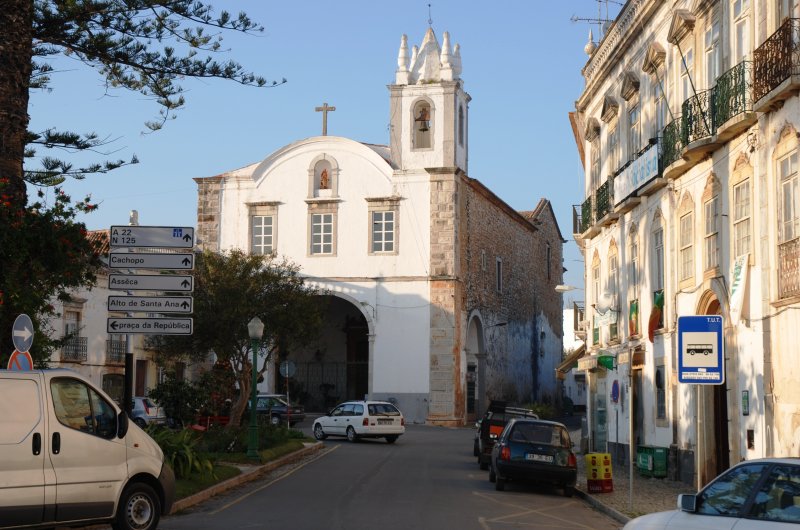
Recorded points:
(430, 19)
(603, 21)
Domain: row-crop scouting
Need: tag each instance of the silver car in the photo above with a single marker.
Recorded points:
(762, 494)
(145, 411)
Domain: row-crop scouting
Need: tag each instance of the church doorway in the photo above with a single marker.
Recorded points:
(335, 368)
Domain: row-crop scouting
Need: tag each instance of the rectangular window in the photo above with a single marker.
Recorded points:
(613, 329)
(787, 173)
(741, 31)
(613, 149)
(322, 233)
(633, 268)
(687, 65)
(741, 219)
(595, 168)
(711, 236)
(660, 108)
(383, 231)
(686, 251)
(499, 275)
(661, 393)
(713, 54)
(262, 230)
(635, 138)
(72, 322)
(658, 258)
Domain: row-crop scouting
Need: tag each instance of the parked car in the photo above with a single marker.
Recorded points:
(71, 457)
(278, 410)
(491, 425)
(146, 412)
(534, 451)
(752, 495)
(361, 419)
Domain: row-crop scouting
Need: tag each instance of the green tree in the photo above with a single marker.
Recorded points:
(145, 46)
(230, 289)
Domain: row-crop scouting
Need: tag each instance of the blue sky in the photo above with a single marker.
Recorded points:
(521, 65)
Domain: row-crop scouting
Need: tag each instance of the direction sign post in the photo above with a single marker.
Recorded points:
(126, 260)
(150, 326)
(151, 236)
(701, 359)
(151, 304)
(151, 282)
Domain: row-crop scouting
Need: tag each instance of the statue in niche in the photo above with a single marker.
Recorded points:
(324, 182)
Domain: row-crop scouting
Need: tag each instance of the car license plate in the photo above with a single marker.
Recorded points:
(539, 458)
(385, 421)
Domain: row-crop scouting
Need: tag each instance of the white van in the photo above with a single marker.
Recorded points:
(69, 455)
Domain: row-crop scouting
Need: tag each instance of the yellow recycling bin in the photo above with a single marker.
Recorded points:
(598, 473)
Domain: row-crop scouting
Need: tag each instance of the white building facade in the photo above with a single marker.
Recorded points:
(425, 309)
(688, 131)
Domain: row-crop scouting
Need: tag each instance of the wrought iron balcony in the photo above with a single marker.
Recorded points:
(671, 142)
(74, 350)
(732, 93)
(115, 351)
(586, 215)
(777, 59)
(789, 268)
(605, 198)
(697, 121)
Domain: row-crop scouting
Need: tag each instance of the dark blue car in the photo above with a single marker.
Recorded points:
(534, 451)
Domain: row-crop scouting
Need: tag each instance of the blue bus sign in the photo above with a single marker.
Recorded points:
(701, 356)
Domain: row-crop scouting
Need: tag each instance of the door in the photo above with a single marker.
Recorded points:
(335, 423)
(89, 460)
(141, 375)
(22, 464)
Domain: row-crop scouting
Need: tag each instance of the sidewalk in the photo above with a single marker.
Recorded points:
(649, 494)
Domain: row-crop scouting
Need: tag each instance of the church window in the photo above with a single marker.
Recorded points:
(262, 227)
(461, 125)
(383, 231)
(322, 233)
(422, 125)
(499, 275)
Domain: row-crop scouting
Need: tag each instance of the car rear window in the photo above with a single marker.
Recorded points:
(539, 433)
(147, 403)
(383, 409)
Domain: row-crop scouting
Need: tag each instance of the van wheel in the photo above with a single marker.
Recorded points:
(139, 508)
(351, 434)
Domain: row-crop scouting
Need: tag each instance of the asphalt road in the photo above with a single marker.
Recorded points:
(428, 479)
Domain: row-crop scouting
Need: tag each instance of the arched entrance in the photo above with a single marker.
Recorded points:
(336, 367)
(714, 403)
(476, 369)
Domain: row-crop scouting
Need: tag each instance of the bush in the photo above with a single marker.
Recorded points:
(180, 450)
(235, 439)
(545, 411)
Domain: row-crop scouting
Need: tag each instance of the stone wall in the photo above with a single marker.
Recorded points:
(208, 212)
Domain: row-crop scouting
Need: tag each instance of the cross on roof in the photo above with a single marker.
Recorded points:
(325, 109)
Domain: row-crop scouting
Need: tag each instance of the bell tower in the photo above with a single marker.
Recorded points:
(428, 106)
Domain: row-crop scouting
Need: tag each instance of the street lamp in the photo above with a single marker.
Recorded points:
(255, 328)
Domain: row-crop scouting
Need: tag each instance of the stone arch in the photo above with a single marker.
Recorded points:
(422, 120)
(323, 176)
(475, 357)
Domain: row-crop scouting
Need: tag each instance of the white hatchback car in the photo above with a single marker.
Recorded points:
(762, 494)
(361, 419)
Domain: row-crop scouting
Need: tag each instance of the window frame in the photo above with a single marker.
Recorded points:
(712, 52)
(711, 236)
(658, 237)
(741, 220)
(332, 223)
(686, 246)
(498, 271)
(260, 248)
(383, 222)
(634, 127)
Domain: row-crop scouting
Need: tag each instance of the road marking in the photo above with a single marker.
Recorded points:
(503, 519)
(246, 495)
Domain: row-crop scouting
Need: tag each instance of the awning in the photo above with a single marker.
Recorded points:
(604, 359)
(570, 362)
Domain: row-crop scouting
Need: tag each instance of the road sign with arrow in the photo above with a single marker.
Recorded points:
(140, 260)
(152, 236)
(151, 282)
(150, 326)
(22, 333)
(151, 304)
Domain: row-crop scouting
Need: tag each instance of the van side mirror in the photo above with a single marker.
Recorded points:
(687, 502)
(122, 424)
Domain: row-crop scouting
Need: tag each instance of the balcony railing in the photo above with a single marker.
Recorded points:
(115, 351)
(789, 268)
(605, 198)
(777, 59)
(732, 93)
(74, 350)
(697, 123)
(671, 143)
(586, 214)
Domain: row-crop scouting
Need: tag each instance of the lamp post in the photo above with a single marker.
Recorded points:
(255, 328)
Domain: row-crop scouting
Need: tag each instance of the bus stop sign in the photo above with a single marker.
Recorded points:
(701, 357)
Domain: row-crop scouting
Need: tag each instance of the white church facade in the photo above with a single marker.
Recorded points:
(441, 296)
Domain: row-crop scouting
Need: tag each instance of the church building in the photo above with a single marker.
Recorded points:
(441, 296)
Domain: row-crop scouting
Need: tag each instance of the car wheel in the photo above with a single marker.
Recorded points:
(391, 438)
(275, 420)
(351, 434)
(140, 422)
(319, 434)
(499, 484)
(492, 475)
(569, 491)
(139, 509)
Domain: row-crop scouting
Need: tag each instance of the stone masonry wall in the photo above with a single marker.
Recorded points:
(208, 212)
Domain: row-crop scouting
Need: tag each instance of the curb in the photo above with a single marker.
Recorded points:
(599, 506)
(244, 477)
